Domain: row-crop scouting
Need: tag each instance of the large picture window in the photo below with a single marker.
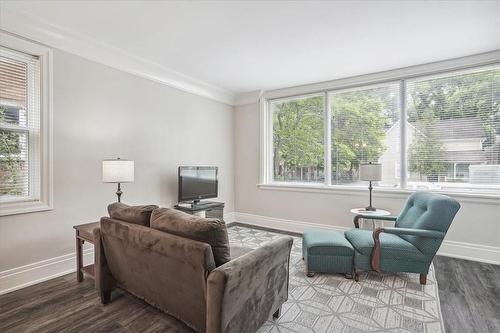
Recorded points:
(24, 126)
(429, 133)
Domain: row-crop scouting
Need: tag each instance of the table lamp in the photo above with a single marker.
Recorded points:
(371, 172)
(118, 171)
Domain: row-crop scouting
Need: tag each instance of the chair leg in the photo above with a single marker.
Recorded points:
(277, 313)
(105, 296)
(310, 274)
(357, 274)
(423, 278)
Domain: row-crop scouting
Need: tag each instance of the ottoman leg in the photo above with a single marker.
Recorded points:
(309, 274)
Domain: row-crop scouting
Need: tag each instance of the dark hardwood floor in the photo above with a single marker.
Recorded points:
(469, 294)
(64, 305)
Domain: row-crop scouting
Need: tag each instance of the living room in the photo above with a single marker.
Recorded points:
(318, 135)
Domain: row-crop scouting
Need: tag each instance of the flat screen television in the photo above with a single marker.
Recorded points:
(197, 182)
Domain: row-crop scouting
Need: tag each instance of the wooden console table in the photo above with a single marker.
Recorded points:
(84, 233)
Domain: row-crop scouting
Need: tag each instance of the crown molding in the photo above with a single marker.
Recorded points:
(250, 97)
(43, 32)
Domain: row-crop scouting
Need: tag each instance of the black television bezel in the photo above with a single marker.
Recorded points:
(199, 197)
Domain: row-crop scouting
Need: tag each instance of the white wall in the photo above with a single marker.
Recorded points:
(475, 232)
(99, 113)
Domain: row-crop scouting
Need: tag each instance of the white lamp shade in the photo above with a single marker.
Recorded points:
(117, 171)
(370, 171)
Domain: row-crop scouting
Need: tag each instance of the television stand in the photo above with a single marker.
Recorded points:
(208, 209)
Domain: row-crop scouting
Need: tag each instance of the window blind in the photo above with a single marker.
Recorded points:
(19, 126)
(453, 131)
(365, 128)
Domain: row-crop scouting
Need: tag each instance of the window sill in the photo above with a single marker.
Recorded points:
(14, 208)
(379, 192)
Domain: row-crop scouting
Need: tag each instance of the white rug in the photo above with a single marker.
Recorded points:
(332, 303)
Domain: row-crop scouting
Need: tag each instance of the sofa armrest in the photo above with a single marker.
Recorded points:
(104, 281)
(368, 216)
(243, 293)
(375, 260)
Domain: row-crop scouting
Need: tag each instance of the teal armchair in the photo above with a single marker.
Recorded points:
(412, 243)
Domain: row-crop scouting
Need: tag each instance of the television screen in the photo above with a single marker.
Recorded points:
(197, 183)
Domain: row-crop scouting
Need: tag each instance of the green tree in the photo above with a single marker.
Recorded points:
(10, 162)
(298, 137)
(426, 152)
(359, 124)
(475, 95)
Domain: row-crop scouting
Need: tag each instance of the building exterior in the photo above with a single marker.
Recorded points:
(470, 155)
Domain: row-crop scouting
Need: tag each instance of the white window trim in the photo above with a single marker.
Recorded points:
(46, 174)
(402, 75)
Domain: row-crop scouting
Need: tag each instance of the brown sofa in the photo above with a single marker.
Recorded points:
(179, 276)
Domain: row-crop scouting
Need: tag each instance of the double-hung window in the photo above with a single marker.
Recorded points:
(24, 126)
(430, 132)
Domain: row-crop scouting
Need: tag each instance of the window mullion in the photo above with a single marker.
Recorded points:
(403, 159)
(328, 140)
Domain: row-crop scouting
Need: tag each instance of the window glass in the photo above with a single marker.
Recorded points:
(453, 125)
(19, 126)
(365, 128)
(298, 139)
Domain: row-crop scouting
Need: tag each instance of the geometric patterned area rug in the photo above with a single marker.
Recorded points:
(331, 303)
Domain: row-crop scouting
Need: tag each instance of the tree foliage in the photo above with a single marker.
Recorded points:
(10, 162)
(474, 95)
(298, 136)
(426, 151)
(359, 123)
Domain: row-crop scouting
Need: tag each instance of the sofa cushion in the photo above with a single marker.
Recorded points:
(391, 246)
(132, 214)
(211, 231)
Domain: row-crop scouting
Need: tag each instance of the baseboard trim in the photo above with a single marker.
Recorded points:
(24, 276)
(461, 250)
(230, 217)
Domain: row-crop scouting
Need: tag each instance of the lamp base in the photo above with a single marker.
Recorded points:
(370, 209)
(119, 192)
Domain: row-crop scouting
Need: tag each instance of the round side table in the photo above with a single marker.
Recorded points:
(373, 216)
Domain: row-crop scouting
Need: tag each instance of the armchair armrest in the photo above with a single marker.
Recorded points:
(368, 216)
(375, 260)
(414, 232)
(244, 292)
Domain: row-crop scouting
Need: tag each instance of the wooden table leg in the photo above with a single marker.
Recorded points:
(79, 259)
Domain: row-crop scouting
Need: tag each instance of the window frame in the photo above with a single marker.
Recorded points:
(45, 173)
(426, 71)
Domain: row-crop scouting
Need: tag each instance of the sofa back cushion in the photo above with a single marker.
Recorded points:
(131, 214)
(165, 270)
(211, 231)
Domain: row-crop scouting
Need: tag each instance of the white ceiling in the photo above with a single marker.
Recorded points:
(243, 46)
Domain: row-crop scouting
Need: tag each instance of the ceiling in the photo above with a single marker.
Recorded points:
(241, 46)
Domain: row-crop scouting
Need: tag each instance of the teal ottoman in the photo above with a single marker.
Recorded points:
(327, 251)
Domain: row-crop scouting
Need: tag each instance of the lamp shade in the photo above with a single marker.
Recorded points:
(117, 171)
(370, 171)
